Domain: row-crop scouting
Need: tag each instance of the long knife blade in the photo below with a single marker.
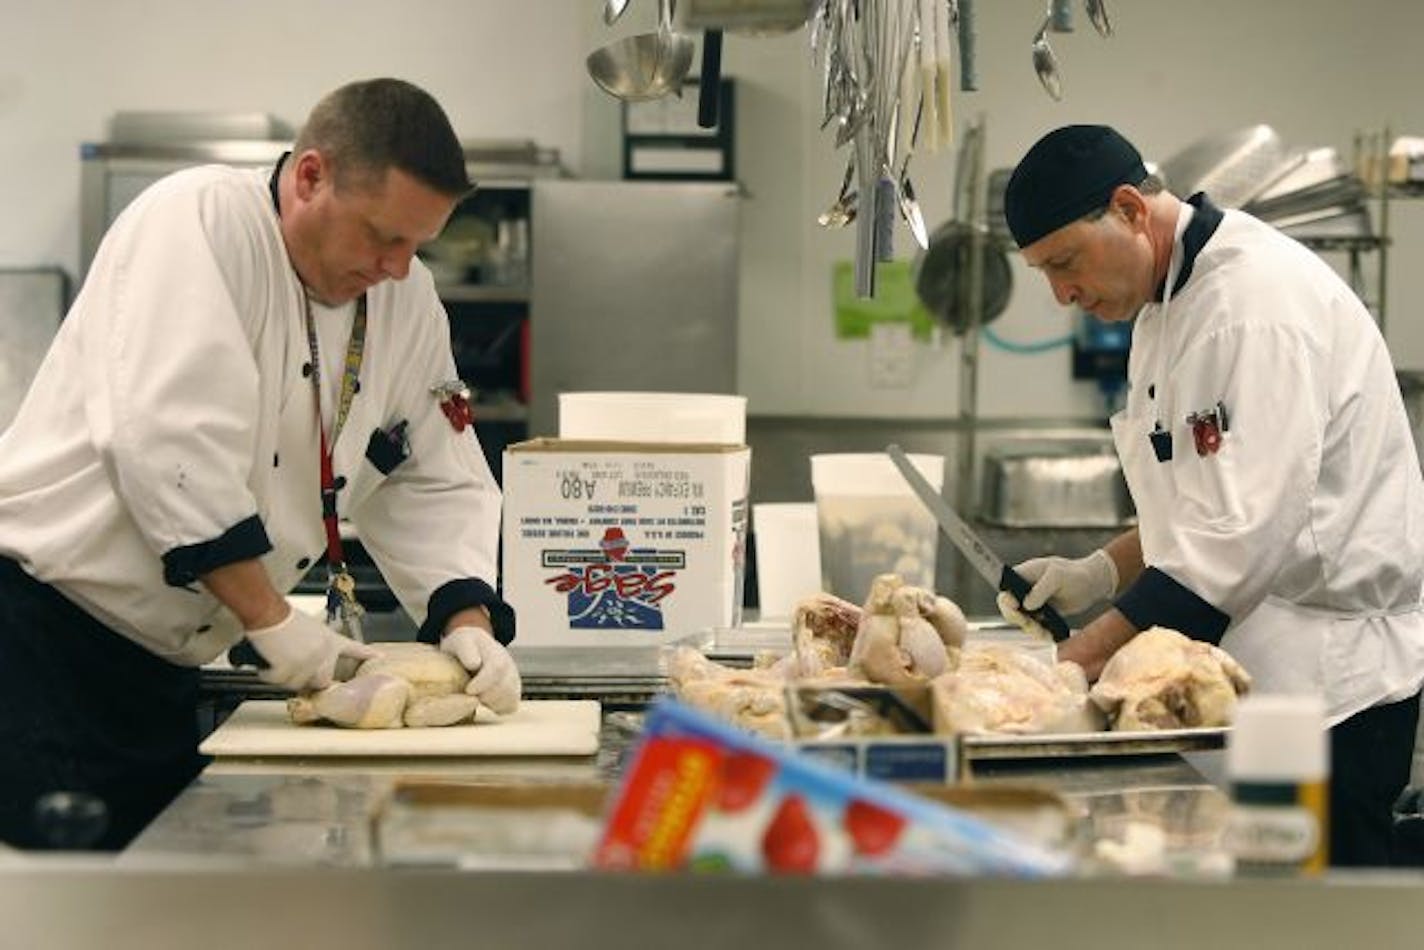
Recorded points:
(980, 556)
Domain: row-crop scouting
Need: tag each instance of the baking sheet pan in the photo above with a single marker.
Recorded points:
(1093, 744)
(261, 728)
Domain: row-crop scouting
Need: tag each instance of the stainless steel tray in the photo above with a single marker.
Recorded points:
(619, 674)
(1093, 744)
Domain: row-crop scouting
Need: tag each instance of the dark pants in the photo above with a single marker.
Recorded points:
(1370, 756)
(83, 709)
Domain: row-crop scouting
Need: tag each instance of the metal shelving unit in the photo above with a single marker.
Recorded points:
(1371, 156)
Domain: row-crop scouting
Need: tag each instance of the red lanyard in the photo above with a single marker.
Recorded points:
(335, 559)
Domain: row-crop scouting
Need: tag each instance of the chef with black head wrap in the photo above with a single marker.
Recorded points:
(1279, 498)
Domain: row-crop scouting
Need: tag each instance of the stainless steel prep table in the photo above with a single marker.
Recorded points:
(237, 849)
(315, 811)
(64, 904)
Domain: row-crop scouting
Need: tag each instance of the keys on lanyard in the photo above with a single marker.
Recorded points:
(343, 610)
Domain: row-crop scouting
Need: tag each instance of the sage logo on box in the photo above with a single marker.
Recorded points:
(616, 585)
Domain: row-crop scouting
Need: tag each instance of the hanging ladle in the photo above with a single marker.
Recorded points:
(646, 66)
(1044, 62)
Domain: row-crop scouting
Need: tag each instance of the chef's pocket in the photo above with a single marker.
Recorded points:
(388, 448)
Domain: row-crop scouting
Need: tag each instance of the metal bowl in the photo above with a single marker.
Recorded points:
(642, 67)
(1055, 482)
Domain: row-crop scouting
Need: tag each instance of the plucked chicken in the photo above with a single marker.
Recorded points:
(409, 684)
(823, 631)
(907, 635)
(999, 689)
(752, 699)
(1163, 680)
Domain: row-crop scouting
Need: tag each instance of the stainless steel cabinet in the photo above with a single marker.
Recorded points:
(634, 288)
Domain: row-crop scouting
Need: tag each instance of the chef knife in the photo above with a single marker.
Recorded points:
(979, 555)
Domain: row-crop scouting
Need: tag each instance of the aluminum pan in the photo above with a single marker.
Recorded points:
(1093, 744)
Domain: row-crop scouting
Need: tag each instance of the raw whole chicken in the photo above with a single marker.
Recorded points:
(822, 633)
(907, 634)
(752, 699)
(1163, 680)
(409, 684)
(1000, 689)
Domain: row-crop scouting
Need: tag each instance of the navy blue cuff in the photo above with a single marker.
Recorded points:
(242, 542)
(1156, 599)
(452, 597)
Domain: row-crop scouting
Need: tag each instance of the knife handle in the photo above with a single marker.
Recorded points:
(243, 653)
(1014, 582)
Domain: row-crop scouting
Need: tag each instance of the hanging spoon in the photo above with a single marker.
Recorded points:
(612, 10)
(1045, 63)
(842, 211)
(905, 191)
(1098, 13)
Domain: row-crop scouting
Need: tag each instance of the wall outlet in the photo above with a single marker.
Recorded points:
(892, 356)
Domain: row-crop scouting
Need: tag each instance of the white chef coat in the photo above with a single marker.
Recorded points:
(1306, 528)
(171, 426)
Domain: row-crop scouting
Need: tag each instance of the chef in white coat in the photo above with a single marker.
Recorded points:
(254, 355)
(1279, 498)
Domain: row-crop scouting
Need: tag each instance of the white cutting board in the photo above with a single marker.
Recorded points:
(261, 727)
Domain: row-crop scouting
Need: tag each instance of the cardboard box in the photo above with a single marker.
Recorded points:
(619, 542)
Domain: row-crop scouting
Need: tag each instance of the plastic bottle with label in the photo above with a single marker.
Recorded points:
(1278, 763)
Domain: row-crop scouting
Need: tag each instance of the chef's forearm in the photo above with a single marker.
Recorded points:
(1091, 646)
(1126, 553)
(246, 590)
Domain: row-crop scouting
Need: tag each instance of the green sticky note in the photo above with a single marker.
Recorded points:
(894, 301)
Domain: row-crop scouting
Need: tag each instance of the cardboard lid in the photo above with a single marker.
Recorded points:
(549, 444)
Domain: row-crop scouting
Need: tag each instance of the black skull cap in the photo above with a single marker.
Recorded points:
(1069, 173)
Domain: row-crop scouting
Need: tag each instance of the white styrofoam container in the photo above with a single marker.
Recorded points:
(607, 540)
(654, 417)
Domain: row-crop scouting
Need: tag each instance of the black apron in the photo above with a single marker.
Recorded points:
(84, 709)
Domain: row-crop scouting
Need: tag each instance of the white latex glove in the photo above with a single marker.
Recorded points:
(494, 678)
(301, 651)
(1072, 585)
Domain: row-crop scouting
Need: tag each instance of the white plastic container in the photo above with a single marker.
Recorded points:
(1278, 763)
(705, 418)
(871, 522)
(788, 556)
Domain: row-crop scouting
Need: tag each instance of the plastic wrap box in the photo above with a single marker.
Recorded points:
(702, 795)
(557, 825)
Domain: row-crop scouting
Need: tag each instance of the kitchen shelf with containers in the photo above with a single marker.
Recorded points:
(480, 263)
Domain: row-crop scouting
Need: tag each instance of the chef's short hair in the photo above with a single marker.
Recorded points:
(367, 127)
(1151, 185)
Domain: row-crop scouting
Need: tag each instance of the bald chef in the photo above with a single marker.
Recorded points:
(1279, 499)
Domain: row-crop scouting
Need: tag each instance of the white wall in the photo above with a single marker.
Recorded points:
(501, 68)
(1317, 70)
